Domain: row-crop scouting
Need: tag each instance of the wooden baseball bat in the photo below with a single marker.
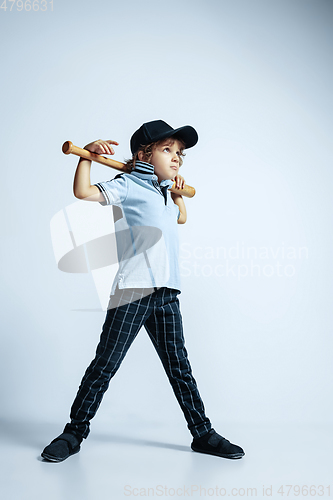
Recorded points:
(69, 148)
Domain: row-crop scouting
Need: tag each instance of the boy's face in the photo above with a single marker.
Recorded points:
(165, 159)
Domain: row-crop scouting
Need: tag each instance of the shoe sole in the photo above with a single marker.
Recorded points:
(54, 459)
(233, 456)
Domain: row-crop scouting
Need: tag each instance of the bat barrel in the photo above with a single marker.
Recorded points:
(187, 191)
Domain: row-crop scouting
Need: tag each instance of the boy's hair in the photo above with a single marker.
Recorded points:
(148, 152)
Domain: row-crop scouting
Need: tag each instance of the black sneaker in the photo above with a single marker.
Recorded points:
(214, 444)
(62, 447)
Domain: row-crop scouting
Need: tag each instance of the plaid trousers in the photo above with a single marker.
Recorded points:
(130, 309)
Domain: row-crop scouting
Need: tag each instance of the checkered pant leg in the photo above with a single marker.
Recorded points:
(120, 328)
(165, 329)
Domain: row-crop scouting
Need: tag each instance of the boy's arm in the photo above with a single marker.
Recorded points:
(178, 200)
(82, 187)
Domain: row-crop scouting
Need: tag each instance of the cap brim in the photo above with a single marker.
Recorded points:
(187, 134)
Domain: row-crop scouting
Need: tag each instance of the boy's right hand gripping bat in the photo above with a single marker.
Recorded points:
(69, 148)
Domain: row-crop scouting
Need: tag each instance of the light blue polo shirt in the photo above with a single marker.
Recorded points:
(146, 229)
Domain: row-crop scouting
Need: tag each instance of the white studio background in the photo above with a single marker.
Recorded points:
(254, 77)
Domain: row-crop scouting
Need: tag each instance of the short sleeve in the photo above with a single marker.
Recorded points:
(114, 191)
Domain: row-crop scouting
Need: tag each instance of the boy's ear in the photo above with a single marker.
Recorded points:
(141, 155)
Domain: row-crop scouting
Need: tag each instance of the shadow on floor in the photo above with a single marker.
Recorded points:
(112, 438)
(38, 435)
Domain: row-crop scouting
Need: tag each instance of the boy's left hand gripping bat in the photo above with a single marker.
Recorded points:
(69, 148)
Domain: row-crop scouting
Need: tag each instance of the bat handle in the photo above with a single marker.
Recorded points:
(67, 147)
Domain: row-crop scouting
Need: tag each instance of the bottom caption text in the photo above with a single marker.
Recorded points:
(287, 490)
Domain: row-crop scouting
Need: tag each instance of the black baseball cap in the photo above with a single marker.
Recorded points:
(157, 130)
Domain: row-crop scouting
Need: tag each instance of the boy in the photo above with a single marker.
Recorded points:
(145, 289)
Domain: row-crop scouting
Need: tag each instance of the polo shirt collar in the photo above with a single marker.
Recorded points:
(142, 167)
(145, 170)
